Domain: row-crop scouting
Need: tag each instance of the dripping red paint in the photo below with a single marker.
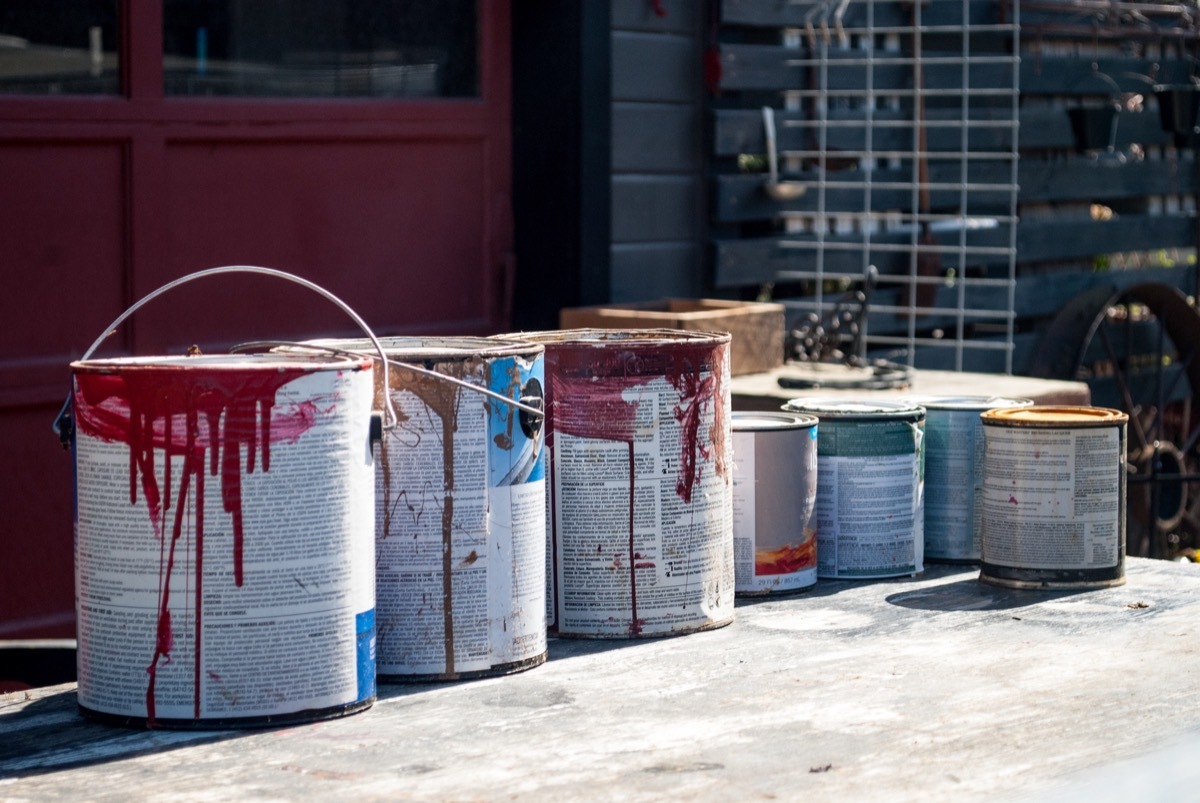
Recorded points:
(588, 395)
(140, 406)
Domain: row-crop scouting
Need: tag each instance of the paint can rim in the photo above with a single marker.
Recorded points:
(754, 421)
(850, 409)
(301, 717)
(1054, 416)
(225, 362)
(633, 338)
(495, 670)
(438, 349)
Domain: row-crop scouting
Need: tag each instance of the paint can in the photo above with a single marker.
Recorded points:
(870, 483)
(954, 473)
(639, 521)
(223, 536)
(1054, 497)
(460, 517)
(774, 496)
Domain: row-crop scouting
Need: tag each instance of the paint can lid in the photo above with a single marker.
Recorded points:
(851, 408)
(440, 349)
(620, 337)
(761, 422)
(980, 403)
(1055, 416)
(225, 362)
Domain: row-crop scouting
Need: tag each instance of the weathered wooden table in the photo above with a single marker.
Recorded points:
(764, 391)
(930, 688)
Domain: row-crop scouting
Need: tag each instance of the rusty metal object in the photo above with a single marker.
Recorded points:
(1095, 338)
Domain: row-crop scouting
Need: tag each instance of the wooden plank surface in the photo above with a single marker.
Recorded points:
(770, 390)
(926, 689)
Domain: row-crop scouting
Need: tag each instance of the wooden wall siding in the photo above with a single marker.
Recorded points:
(767, 67)
(654, 209)
(740, 198)
(1040, 127)
(762, 260)
(770, 14)
(659, 216)
(1147, 185)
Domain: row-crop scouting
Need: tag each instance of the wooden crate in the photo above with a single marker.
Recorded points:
(757, 328)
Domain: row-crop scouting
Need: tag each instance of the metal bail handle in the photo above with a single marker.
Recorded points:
(64, 426)
(529, 403)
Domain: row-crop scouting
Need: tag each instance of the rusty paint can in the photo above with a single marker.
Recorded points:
(954, 473)
(460, 510)
(774, 496)
(224, 539)
(639, 521)
(1054, 497)
(870, 483)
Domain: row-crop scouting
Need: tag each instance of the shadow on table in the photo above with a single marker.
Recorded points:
(50, 734)
(829, 587)
(972, 595)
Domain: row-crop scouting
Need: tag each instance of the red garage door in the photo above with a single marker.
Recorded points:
(363, 144)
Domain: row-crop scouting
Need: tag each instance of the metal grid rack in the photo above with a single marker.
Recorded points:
(939, 212)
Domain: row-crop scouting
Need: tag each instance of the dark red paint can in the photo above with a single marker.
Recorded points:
(639, 503)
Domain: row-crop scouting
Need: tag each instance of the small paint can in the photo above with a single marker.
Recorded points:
(954, 473)
(870, 482)
(223, 539)
(1054, 497)
(460, 527)
(639, 522)
(774, 496)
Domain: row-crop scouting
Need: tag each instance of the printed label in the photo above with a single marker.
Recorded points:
(642, 506)
(774, 496)
(461, 522)
(869, 506)
(224, 541)
(1052, 497)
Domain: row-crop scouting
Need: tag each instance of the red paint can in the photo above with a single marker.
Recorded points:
(639, 517)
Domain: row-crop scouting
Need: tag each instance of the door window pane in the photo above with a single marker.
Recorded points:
(59, 47)
(321, 48)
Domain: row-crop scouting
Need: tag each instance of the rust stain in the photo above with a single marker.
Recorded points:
(512, 390)
(444, 400)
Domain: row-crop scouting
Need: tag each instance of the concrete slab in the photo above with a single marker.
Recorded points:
(930, 688)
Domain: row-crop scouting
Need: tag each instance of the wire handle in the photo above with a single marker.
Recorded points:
(390, 417)
(519, 404)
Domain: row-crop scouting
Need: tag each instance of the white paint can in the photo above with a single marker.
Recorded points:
(1054, 497)
(224, 539)
(774, 497)
(461, 510)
